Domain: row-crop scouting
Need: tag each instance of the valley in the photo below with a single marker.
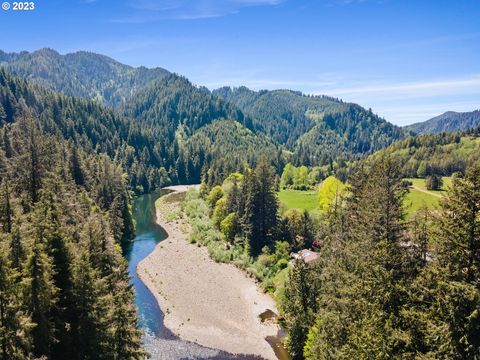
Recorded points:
(93, 265)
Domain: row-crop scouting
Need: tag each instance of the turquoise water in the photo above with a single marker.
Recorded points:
(149, 234)
(158, 340)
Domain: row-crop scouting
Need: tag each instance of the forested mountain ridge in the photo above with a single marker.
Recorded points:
(150, 142)
(89, 125)
(319, 129)
(174, 100)
(227, 147)
(83, 74)
(449, 121)
(153, 107)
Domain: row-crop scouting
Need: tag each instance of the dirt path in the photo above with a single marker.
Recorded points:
(426, 191)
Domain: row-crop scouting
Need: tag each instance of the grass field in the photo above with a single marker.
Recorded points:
(297, 199)
(430, 198)
(308, 200)
(420, 183)
(417, 199)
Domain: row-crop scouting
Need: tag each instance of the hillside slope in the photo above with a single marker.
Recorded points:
(155, 141)
(83, 74)
(318, 129)
(441, 154)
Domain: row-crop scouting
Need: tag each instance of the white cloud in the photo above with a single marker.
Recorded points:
(429, 88)
(407, 102)
(151, 10)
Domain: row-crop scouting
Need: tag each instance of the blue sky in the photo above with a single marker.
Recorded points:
(408, 60)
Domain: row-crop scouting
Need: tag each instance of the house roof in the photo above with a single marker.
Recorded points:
(306, 255)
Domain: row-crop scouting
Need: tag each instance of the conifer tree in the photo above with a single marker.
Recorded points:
(447, 296)
(301, 291)
(57, 247)
(41, 295)
(6, 211)
(362, 299)
(3, 115)
(7, 145)
(17, 250)
(126, 335)
(34, 171)
(261, 206)
(15, 325)
(76, 170)
(91, 312)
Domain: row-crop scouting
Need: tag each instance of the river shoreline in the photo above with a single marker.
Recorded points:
(214, 305)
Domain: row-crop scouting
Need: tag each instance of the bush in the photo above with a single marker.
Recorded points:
(229, 227)
(220, 212)
(282, 264)
(216, 194)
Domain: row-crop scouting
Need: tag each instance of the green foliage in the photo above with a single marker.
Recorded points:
(15, 324)
(330, 193)
(318, 129)
(434, 182)
(288, 176)
(215, 194)
(220, 212)
(446, 299)
(363, 285)
(230, 227)
(299, 178)
(260, 214)
(441, 154)
(392, 293)
(60, 232)
(300, 306)
(299, 229)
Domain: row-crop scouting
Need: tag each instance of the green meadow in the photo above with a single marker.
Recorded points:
(298, 199)
(416, 199)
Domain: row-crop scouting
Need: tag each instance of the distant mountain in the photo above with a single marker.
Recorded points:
(449, 121)
(172, 133)
(153, 116)
(82, 74)
(319, 129)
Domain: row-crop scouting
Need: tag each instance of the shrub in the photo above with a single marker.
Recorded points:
(216, 194)
(229, 227)
(282, 264)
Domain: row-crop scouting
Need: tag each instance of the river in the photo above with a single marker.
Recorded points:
(159, 341)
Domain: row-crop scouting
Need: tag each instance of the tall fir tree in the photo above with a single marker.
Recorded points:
(302, 289)
(41, 295)
(15, 324)
(261, 207)
(360, 314)
(446, 298)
